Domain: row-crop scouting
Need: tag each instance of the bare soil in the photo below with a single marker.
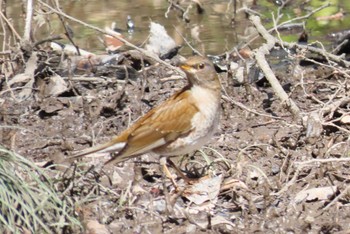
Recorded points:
(271, 162)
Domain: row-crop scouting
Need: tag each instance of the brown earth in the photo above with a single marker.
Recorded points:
(271, 163)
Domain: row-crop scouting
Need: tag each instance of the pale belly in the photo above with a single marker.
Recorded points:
(199, 136)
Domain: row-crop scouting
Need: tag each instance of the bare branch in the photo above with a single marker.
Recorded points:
(270, 76)
(29, 18)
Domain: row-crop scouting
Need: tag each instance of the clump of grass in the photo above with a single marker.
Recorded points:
(28, 201)
(206, 161)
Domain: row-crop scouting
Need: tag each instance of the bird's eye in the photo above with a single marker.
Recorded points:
(200, 66)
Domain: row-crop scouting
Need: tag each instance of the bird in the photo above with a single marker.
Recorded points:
(179, 125)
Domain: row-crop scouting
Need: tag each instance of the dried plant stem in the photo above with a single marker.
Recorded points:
(270, 76)
(28, 23)
(15, 33)
(322, 52)
(322, 160)
(287, 22)
(344, 193)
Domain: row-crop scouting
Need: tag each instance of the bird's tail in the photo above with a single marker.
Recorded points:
(108, 147)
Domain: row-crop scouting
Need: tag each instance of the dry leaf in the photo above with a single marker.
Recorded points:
(316, 194)
(337, 16)
(219, 220)
(28, 73)
(205, 190)
(55, 86)
(113, 43)
(345, 119)
(68, 49)
(195, 32)
(27, 77)
(159, 43)
(313, 126)
(94, 227)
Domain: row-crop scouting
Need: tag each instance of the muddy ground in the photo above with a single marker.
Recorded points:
(271, 163)
(265, 171)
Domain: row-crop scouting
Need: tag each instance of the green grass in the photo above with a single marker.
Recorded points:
(28, 200)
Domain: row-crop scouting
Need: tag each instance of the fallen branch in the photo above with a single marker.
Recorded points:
(259, 55)
(335, 58)
(322, 160)
(29, 19)
(304, 17)
(301, 165)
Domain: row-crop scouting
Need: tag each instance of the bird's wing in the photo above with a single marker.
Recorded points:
(160, 126)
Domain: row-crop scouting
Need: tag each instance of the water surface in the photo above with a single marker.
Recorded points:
(217, 31)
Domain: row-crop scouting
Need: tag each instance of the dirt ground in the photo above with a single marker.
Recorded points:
(271, 172)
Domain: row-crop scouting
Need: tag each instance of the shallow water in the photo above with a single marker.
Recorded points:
(217, 32)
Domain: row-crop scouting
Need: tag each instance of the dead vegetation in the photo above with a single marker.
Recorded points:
(279, 163)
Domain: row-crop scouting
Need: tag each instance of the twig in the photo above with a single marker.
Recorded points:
(185, 15)
(168, 10)
(249, 11)
(187, 42)
(175, 5)
(336, 126)
(171, 78)
(289, 26)
(337, 49)
(289, 183)
(279, 14)
(29, 18)
(335, 58)
(270, 76)
(334, 105)
(68, 31)
(95, 79)
(305, 16)
(342, 194)
(10, 26)
(54, 38)
(323, 160)
(17, 88)
(288, 22)
(301, 165)
(240, 105)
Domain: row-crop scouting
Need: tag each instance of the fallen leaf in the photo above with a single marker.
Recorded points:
(68, 49)
(55, 86)
(345, 119)
(219, 220)
(94, 227)
(315, 194)
(27, 77)
(159, 43)
(205, 190)
(337, 16)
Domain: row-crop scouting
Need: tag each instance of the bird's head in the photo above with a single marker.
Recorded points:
(200, 71)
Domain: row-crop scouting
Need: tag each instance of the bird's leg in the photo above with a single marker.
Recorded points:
(166, 172)
(179, 172)
(169, 200)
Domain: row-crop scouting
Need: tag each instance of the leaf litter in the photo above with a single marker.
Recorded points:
(290, 174)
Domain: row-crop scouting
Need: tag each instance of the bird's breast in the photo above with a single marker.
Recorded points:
(204, 123)
(206, 120)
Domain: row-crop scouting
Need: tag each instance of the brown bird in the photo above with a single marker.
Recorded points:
(179, 125)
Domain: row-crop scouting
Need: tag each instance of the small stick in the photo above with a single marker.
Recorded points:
(270, 76)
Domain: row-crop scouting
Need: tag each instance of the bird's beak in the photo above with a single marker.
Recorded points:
(185, 67)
